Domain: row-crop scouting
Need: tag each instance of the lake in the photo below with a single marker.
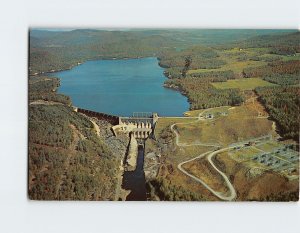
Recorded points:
(121, 87)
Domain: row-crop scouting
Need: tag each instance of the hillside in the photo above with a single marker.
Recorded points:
(59, 50)
(68, 160)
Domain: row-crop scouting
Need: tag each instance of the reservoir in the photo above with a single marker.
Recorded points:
(121, 87)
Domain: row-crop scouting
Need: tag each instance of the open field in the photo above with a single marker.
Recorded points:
(235, 66)
(163, 122)
(236, 60)
(295, 57)
(239, 59)
(240, 124)
(243, 84)
(215, 111)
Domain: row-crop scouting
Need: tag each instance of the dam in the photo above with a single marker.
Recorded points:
(138, 127)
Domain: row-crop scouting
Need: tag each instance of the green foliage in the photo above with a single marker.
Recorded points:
(49, 125)
(283, 105)
(276, 42)
(279, 67)
(58, 174)
(166, 135)
(166, 191)
(281, 197)
(284, 50)
(202, 94)
(283, 79)
(195, 57)
(44, 88)
(67, 160)
(215, 76)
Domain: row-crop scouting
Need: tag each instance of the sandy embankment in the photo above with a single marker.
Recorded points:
(132, 154)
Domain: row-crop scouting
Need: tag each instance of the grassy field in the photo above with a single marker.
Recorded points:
(164, 122)
(269, 146)
(243, 84)
(289, 58)
(235, 60)
(235, 66)
(215, 111)
(240, 124)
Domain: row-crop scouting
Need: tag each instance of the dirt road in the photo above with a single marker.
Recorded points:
(209, 154)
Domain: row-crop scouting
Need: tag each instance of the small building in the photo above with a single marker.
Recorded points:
(209, 116)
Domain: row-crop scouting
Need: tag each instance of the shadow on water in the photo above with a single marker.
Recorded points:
(135, 180)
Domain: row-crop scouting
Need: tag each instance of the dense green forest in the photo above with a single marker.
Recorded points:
(44, 88)
(67, 160)
(283, 79)
(202, 94)
(165, 191)
(283, 104)
(274, 68)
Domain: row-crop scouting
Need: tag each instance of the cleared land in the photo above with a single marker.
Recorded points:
(243, 84)
(236, 60)
(228, 125)
(164, 122)
(235, 66)
(240, 124)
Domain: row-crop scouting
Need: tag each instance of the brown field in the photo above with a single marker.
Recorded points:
(202, 169)
(170, 172)
(254, 185)
(242, 123)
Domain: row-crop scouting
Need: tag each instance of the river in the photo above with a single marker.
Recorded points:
(135, 180)
(121, 87)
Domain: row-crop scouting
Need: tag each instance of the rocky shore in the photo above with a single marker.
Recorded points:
(131, 160)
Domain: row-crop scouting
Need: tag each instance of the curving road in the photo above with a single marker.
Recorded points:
(209, 154)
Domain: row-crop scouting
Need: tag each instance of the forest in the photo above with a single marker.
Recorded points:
(165, 191)
(67, 160)
(201, 94)
(283, 104)
(44, 88)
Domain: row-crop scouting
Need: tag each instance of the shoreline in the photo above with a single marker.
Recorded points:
(164, 85)
(91, 59)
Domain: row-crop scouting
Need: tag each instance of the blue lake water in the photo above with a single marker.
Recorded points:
(121, 87)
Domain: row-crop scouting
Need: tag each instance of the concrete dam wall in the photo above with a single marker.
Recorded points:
(114, 120)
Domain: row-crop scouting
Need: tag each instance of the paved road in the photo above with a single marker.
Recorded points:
(232, 191)
(222, 196)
